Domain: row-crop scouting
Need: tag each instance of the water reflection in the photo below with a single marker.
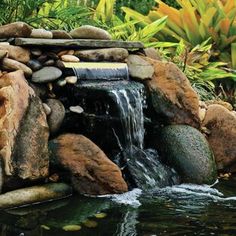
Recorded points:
(179, 210)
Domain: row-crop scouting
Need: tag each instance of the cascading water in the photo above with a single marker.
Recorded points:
(130, 105)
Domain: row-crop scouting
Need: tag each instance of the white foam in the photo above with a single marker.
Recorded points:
(197, 190)
(129, 198)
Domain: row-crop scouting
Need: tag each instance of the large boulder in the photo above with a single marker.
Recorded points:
(16, 29)
(172, 95)
(104, 54)
(188, 151)
(16, 53)
(23, 130)
(221, 124)
(90, 32)
(90, 169)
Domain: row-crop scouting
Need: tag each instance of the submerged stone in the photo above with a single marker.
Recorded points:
(188, 151)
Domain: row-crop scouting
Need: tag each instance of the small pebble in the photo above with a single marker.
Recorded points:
(71, 79)
(100, 215)
(36, 52)
(90, 224)
(45, 227)
(47, 109)
(34, 65)
(61, 82)
(76, 109)
(49, 62)
(70, 58)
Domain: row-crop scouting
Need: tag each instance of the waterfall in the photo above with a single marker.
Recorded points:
(130, 105)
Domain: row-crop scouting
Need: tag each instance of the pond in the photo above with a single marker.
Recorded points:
(179, 210)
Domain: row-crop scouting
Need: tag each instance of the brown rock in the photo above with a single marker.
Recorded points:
(17, 53)
(23, 130)
(3, 53)
(90, 170)
(222, 138)
(172, 95)
(16, 29)
(60, 34)
(13, 65)
(104, 54)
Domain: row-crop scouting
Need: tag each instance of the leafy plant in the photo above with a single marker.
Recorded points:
(195, 22)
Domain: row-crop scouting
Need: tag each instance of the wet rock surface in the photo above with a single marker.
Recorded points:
(221, 124)
(186, 149)
(89, 167)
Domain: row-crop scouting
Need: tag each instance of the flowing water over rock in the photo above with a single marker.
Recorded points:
(130, 105)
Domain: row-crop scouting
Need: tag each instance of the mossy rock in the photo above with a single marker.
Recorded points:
(187, 150)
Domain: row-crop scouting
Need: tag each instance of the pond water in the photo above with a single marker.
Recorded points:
(179, 210)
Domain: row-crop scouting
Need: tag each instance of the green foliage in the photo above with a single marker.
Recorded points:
(195, 63)
(195, 22)
(49, 14)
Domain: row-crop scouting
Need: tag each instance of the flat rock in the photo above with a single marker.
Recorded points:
(16, 29)
(16, 53)
(36, 52)
(46, 74)
(24, 130)
(56, 116)
(90, 32)
(221, 124)
(70, 58)
(13, 65)
(172, 95)
(76, 109)
(90, 169)
(139, 68)
(41, 33)
(105, 54)
(60, 34)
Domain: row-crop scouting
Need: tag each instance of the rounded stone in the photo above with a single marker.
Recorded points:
(34, 65)
(41, 33)
(46, 74)
(90, 32)
(187, 150)
(70, 58)
(71, 79)
(56, 116)
(76, 109)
